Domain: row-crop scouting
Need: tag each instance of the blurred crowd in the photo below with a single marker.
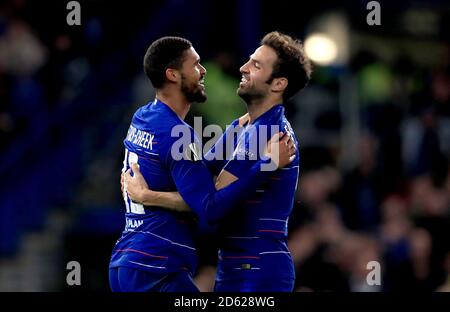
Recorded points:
(390, 204)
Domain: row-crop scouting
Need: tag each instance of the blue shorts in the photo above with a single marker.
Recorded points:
(124, 279)
(286, 285)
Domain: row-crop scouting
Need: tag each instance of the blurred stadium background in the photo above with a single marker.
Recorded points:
(374, 129)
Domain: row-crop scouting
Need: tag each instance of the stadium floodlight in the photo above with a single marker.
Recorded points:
(327, 40)
(321, 48)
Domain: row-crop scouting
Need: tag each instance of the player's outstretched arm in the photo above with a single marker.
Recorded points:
(280, 149)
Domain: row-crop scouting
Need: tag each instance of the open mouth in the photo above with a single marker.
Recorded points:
(244, 81)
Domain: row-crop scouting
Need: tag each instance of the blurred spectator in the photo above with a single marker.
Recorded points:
(21, 56)
(367, 249)
(362, 188)
(426, 141)
(21, 52)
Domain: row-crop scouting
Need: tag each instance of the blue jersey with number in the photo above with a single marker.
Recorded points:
(169, 156)
(253, 237)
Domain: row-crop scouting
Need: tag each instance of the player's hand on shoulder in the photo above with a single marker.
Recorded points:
(281, 149)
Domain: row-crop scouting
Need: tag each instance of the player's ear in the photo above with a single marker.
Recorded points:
(279, 84)
(172, 74)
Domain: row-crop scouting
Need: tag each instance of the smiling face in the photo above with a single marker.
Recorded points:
(192, 77)
(256, 74)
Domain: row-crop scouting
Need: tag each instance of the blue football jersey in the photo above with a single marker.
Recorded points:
(253, 237)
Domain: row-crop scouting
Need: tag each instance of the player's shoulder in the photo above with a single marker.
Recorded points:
(156, 117)
(286, 126)
(284, 122)
(278, 117)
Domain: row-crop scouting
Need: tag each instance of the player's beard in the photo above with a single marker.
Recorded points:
(192, 91)
(250, 94)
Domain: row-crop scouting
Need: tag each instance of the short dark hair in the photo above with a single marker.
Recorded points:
(292, 62)
(166, 52)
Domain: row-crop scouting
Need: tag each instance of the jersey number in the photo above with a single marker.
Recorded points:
(131, 206)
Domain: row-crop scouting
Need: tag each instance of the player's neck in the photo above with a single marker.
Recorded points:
(175, 100)
(258, 107)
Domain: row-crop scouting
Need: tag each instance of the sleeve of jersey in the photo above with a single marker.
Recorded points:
(216, 158)
(195, 184)
(243, 161)
(248, 156)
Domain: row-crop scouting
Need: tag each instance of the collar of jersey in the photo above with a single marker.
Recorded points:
(277, 109)
(166, 107)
